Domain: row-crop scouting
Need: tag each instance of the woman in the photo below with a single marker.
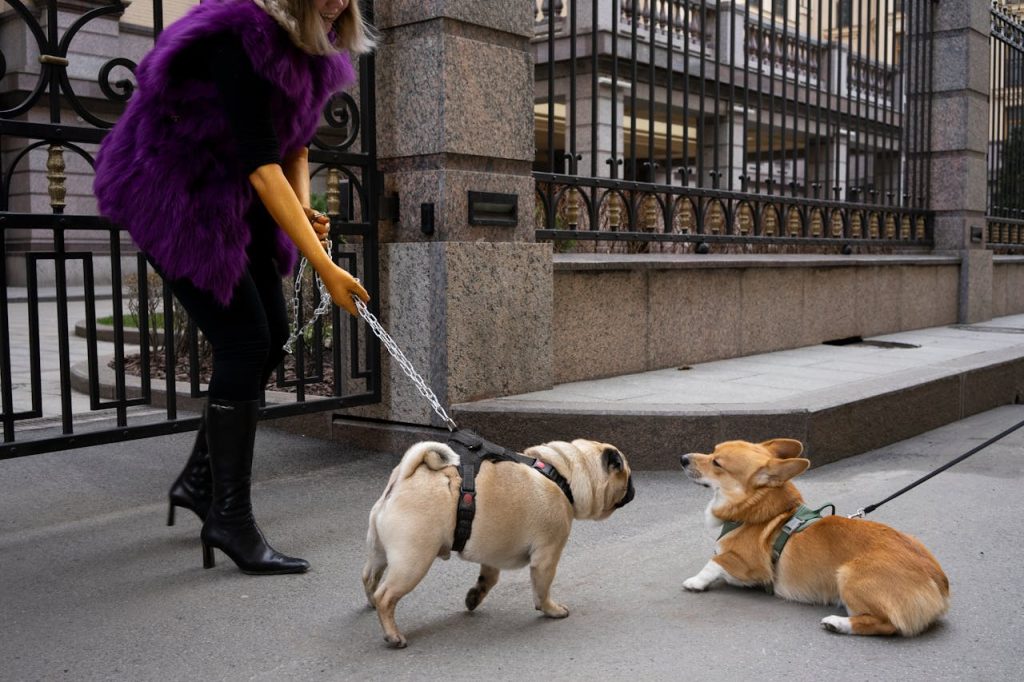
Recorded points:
(207, 169)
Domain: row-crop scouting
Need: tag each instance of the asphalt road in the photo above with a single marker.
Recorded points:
(94, 586)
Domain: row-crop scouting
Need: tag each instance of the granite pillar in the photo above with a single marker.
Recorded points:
(468, 301)
(958, 146)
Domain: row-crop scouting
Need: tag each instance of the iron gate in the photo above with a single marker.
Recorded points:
(676, 125)
(1006, 129)
(66, 372)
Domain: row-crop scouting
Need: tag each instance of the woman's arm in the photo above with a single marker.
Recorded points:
(246, 99)
(296, 170)
(282, 202)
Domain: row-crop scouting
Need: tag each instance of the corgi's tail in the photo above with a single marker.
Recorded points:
(435, 456)
(918, 608)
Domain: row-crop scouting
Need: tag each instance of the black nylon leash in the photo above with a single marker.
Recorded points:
(872, 507)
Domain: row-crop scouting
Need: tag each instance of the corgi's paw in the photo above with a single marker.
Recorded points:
(837, 624)
(695, 584)
(711, 574)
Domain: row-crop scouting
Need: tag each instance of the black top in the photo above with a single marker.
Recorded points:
(246, 97)
(245, 94)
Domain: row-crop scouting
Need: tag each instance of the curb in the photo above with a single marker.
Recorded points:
(832, 426)
(105, 332)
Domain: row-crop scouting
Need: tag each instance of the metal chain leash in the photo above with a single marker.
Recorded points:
(378, 330)
(321, 308)
(407, 367)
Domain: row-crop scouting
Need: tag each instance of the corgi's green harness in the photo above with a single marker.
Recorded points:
(801, 519)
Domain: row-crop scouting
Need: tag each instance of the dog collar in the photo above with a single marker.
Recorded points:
(728, 527)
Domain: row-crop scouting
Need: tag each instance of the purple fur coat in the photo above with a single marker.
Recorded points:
(169, 171)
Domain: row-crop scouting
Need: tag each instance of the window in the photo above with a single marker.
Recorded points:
(1014, 70)
(778, 6)
(845, 13)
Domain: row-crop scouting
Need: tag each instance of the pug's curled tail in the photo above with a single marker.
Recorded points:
(436, 456)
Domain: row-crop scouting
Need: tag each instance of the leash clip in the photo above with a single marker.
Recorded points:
(859, 514)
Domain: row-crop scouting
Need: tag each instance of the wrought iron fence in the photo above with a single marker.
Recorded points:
(1006, 129)
(672, 125)
(60, 263)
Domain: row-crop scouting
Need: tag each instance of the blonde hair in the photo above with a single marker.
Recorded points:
(306, 29)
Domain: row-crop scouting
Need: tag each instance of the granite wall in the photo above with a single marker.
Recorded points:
(620, 315)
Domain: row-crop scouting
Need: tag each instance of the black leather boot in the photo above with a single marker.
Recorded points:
(230, 526)
(193, 488)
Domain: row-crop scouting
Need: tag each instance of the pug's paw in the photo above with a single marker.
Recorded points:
(474, 597)
(396, 641)
(553, 610)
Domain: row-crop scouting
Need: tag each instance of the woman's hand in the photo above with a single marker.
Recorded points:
(321, 225)
(338, 281)
(342, 286)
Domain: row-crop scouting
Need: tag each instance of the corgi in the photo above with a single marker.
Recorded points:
(888, 582)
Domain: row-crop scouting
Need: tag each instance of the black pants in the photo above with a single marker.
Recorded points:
(248, 335)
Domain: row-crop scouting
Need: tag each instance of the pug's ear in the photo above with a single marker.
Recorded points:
(612, 459)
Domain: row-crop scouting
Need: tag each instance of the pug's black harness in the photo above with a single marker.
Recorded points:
(472, 450)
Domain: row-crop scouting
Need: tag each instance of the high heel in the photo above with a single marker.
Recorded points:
(208, 561)
(229, 525)
(193, 489)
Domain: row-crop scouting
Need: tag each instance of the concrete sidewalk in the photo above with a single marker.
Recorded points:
(95, 586)
(840, 400)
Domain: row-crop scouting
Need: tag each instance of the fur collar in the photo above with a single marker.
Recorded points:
(279, 12)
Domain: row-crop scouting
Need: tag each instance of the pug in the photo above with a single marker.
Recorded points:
(522, 518)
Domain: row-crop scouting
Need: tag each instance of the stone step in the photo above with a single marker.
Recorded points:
(839, 400)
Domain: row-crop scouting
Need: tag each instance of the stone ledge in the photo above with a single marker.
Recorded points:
(105, 332)
(579, 261)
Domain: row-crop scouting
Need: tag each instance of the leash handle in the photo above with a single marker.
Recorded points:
(872, 507)
(321, 309)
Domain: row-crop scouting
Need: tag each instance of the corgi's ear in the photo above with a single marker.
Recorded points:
(776, 472)
(784, 448)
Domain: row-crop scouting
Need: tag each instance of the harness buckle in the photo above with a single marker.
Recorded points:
(793, 524)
